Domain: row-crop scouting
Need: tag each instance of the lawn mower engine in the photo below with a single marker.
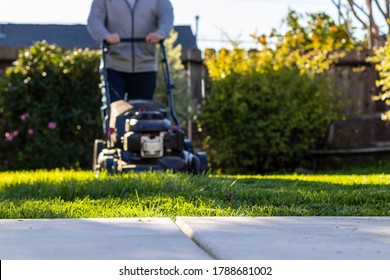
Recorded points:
(141, 138)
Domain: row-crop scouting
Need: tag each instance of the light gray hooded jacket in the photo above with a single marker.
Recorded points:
(117, 16)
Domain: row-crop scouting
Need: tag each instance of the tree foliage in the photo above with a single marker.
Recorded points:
(311, 31)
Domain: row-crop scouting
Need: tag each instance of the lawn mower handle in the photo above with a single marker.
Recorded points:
(106, 45)
(133, 40)
(130, 40)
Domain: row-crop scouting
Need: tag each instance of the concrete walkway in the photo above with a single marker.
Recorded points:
(96, 239)
(186, 238)
(291, 238)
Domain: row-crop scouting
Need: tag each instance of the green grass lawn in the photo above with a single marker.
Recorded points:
(78, 194)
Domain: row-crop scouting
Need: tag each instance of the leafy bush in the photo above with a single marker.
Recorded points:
(49, 108)
(258, 122)
(267, 107)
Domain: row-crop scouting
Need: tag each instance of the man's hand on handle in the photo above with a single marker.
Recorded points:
(113, 39)
(154, 38)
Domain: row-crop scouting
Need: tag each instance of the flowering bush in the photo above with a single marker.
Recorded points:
(49, 108)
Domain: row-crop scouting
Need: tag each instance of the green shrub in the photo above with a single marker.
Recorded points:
(268, 106)
(265, 108)
(49, 108)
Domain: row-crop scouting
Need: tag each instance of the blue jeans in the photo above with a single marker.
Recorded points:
(136, 85)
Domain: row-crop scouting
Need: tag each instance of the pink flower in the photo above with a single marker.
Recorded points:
(111, 131)
(30, 131)
(9, 137)
(15, 133)
(52, 125)
(24, 116)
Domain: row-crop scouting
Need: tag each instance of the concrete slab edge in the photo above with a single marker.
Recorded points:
(187, 230)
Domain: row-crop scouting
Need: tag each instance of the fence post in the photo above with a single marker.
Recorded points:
(193, 63)
(7, 56)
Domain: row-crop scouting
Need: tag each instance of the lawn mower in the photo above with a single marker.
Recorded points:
(140, 134)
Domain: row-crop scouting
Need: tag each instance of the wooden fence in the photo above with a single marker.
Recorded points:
(359, 123)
